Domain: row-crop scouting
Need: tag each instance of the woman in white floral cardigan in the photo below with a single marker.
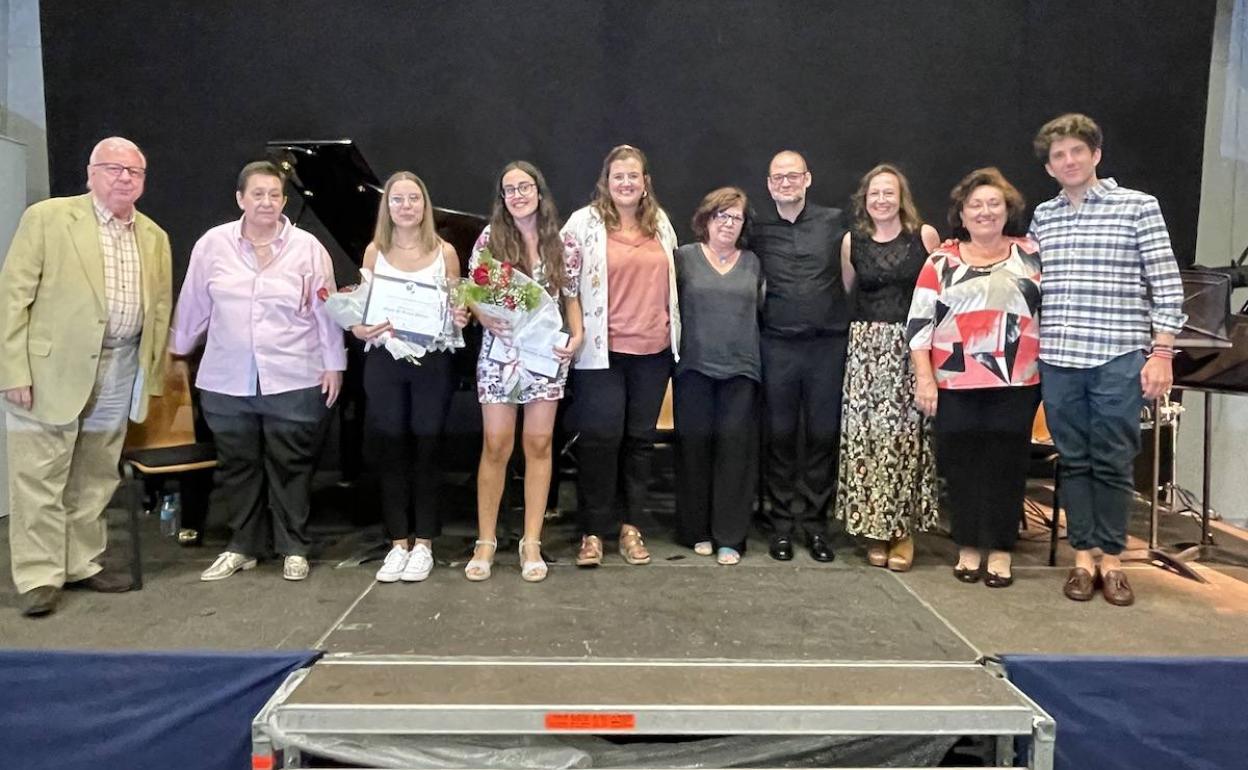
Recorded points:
(624, 242)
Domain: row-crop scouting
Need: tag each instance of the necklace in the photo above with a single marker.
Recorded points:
(723, 258)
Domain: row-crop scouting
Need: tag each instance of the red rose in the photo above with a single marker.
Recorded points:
(509, 303)
(507, 269)
(322, 293)
(481, 276)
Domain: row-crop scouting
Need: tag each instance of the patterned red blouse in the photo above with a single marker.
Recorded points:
(981, 324)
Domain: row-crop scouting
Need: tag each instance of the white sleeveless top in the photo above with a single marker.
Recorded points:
(433, 273)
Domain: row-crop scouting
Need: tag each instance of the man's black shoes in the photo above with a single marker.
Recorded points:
(781, 548)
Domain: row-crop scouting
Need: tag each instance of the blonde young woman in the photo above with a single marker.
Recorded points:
(523, 232)
(407, 404)
(624, 243)
(886, 487)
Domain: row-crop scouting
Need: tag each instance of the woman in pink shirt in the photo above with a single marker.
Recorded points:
(624, 242)
(272, 368)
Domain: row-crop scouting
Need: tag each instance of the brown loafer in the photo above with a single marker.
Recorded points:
(1116, 589)
(590, 553)
(1080, 585)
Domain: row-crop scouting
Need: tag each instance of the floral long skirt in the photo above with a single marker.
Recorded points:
(886, 485)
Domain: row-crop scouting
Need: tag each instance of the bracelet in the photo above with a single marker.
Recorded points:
(1162, 351)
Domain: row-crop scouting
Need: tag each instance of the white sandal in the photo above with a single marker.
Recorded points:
(477, 570)
(532, 571)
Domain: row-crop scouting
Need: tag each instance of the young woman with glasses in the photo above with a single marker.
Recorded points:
(524, 233)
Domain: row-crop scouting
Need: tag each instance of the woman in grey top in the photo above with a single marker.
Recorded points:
(715, 390)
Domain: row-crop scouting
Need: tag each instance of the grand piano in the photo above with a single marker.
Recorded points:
(338, 186)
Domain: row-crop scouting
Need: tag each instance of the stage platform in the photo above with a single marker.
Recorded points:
(682, 645)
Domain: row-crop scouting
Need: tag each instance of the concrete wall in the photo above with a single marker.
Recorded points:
(1222, 234)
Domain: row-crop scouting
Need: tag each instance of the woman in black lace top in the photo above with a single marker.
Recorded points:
(887, 480)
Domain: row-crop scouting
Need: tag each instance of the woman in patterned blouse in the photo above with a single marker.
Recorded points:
(523, 232)
(973, 334)
(624, 242)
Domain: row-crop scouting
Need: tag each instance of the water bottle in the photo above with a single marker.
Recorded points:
(170, 514)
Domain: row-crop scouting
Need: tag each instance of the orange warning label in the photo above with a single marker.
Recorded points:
(590, 721)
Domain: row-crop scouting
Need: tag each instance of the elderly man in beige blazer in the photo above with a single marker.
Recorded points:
(85, 302)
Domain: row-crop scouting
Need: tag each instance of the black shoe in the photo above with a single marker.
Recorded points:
(993, 580)
(967, 575)
(819, 549)
(103, 582)
(781, 548)
(39, 601)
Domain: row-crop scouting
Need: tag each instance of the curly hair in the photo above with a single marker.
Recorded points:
(989, 176)
(1072, 124)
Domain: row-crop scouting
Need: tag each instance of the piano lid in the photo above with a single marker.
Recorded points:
(337, 183)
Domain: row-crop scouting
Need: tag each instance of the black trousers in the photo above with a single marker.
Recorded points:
(615, 409)
(403, 422)
(717, 458)
(802, 381)
(983, 448)
(267, 448)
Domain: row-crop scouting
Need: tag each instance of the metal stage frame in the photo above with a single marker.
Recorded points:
(353, 695)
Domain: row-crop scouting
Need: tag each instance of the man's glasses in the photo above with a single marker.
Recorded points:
(793, 177)
(724, 218)
(113, 170)
(397, 201)
(522, 190)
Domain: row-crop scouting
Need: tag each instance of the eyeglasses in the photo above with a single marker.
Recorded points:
(397, 201)
(522, 190)
(723, 217)
(793, 177)
(113, 170)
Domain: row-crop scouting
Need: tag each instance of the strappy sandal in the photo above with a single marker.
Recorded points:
(477, 570)
(632, 547)
(534, 571)
(590, 553)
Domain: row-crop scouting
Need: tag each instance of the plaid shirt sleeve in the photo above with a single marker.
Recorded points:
(1161, 271)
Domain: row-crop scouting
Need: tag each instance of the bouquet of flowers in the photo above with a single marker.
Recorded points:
(497, 291)
(495, 285)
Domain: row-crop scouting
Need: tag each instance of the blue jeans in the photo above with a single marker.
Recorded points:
(1094, 416)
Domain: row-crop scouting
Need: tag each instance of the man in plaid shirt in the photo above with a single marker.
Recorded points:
(1112, 304)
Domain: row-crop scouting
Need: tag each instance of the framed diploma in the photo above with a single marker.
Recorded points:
(417, 311)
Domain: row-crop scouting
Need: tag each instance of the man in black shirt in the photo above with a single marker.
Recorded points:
(804, 333)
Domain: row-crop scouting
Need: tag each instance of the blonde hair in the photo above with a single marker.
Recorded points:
(383, 235)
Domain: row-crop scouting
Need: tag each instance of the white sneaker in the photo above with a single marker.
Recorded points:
(392, 567)
(419, 565)
(227, 564)
(295, 568)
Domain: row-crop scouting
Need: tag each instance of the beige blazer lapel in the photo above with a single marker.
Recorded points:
(149, 249)
(84, 231)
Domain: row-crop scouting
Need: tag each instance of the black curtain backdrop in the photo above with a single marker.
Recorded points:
(710, 90)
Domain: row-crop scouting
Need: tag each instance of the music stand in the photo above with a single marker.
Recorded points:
(1207, 303)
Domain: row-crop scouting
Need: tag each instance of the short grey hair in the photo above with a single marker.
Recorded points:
(114, 143)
